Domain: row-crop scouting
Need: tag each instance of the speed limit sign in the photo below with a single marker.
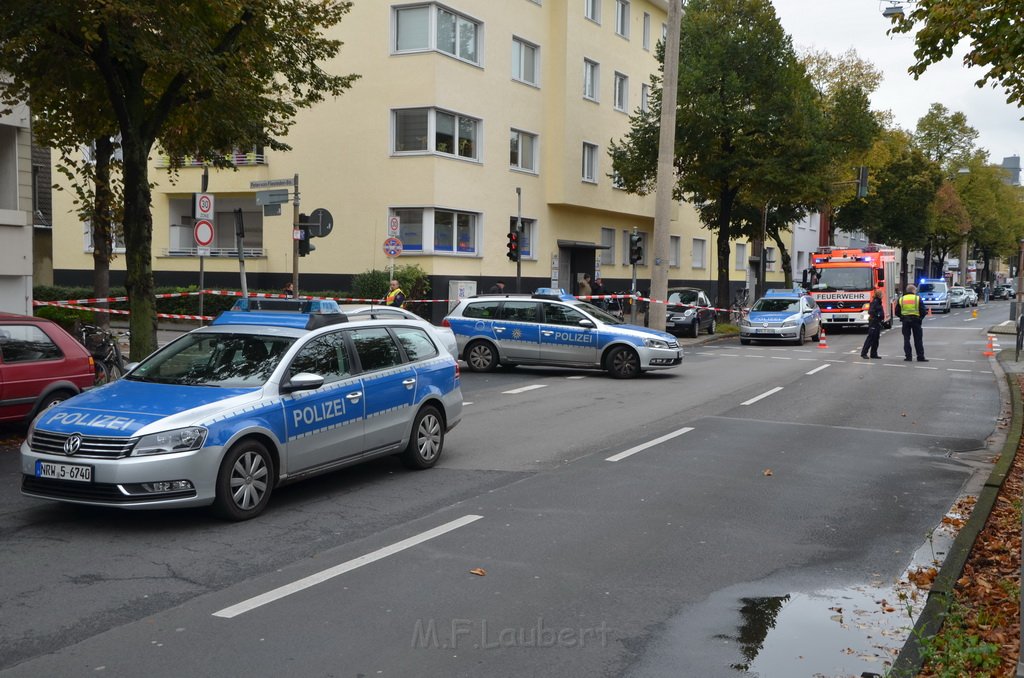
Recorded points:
(393, 225)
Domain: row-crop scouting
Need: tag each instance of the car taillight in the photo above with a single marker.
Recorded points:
(445, 323)
(458, 370)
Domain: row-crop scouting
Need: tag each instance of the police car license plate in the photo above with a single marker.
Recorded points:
(46, 469)
(765, 330)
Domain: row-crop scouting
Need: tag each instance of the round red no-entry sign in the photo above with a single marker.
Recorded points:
(203, 232)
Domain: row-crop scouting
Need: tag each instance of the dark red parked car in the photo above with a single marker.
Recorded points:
(40, 366)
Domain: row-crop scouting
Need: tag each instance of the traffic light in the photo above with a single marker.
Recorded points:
(305, 246)
(636, 250)
(862, 182)
(513, 244)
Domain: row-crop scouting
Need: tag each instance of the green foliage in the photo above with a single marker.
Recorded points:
(957, 652)
(946, 138)
(990, 30)
(375, 284)
(66, 317)
(372, 284)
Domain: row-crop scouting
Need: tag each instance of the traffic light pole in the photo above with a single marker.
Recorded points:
(295, 243)
(519, 231)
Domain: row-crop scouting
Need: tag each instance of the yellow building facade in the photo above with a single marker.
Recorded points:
(468, 115)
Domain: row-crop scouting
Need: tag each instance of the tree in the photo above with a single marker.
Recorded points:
(946, 138)
(992, 28)
(948, 222)
(747, 127)
(189, 74)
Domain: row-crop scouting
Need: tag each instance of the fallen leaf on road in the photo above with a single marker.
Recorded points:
(479, 571)
(767, 472)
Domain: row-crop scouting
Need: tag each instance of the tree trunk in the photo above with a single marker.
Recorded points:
(726, 198)
(102, 237)
(138, 241)
(904, 256)
(787, 260)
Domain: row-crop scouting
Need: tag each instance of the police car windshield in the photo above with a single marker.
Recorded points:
(843, 279)
(602, 315)
(776, 306)
(214, 359)
(932, 287)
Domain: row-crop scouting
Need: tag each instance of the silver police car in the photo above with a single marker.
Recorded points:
(554, 328)
(225, 413)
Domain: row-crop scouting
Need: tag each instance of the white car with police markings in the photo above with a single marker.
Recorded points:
(225, 413)
(554, 328)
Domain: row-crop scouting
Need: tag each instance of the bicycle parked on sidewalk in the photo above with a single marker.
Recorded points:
(740, 306)
(106, 352)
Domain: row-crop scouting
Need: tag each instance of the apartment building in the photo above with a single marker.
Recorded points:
(16, 213)
(468, 115)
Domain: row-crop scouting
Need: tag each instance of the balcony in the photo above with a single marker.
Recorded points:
(216, 252)
(238, 158)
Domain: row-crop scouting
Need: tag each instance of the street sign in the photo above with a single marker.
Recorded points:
(204, 206)
(203, 232)
(271, 210)
(393, 225)
(274, 197)
(392, 247)
(203, 251)
(271, 183)
(320, 223)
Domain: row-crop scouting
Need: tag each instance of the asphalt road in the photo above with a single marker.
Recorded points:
(613, 526)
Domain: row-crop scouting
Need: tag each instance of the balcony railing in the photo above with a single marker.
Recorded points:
(216, 252)
(237, 158)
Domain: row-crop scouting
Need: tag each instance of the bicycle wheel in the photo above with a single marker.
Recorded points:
(102, 373)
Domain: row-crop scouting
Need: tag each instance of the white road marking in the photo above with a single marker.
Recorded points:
(524, 389)
(650, 443)
(763, 395)
(330, 573)
(578, 376)
(961, 360)
(953, 369)
(467, 402)
(780, 357)
(922, 367)
(817, 369)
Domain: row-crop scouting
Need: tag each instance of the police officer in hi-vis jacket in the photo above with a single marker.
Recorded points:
(910, 309)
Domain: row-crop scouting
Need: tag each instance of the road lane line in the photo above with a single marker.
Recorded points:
(763, 395)
(817, 369)
(524, 389)
(650, 443)
(330, 573)
(953, 369)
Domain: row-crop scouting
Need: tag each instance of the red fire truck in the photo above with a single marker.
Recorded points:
(842, 280)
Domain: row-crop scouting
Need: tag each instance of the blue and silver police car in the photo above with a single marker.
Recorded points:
(782, 315)
(551, 327)
(225, 413)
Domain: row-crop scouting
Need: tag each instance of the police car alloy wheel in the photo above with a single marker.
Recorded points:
(245, 481)
(427, 439)
(623, 363)
(481, 356)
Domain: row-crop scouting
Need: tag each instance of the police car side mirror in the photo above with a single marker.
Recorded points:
(586, 323)
(303, 381)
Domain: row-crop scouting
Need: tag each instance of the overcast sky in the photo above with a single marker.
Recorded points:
(837, 25)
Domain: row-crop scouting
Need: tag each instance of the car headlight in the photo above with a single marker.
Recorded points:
(744, 323)
(655, 343)
(166, 442)
(689, 312)
(791, 321)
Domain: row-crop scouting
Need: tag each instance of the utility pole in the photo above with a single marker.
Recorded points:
(666, 174)
(295, 243)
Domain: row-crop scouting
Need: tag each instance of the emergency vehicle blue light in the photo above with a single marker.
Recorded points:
(783, 293)
(296, 320)
(552, 293)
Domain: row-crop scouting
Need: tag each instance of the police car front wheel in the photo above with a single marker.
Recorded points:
(245, 481)
(623, 363)
(427, 439)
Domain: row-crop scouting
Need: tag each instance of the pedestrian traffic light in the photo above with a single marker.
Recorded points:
(862, 182)
(513, 244)
(636, 250)
(305, 244)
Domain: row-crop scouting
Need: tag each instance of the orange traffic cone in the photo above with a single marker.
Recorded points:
(989, 350)
(974, 313)
(821, 338)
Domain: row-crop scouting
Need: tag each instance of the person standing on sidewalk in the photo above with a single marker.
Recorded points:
(910, 309)
(876, 314)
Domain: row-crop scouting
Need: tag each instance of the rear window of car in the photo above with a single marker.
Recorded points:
(416, 343)
(25, 343)
(481, 309)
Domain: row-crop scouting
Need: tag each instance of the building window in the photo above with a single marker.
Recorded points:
(440, 231)
(589, 163)
(522, 151)
(608, 242)
(645, 98)
(524, 61)
(741, 256)
(699, 245)
(674, 247)
(621, 92)
(526, 236)
(117, 237)
(622, 17)
(592, 10)
(591, 78)
(429, 27)
(769, 258)
(647, 31)
(428, 130)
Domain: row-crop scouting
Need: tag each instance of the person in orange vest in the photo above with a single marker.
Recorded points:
(910, 310)
(396, 297)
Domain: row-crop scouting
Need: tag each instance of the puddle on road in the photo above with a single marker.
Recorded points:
(836, 633)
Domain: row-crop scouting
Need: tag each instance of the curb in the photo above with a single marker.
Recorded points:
(910, 660)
